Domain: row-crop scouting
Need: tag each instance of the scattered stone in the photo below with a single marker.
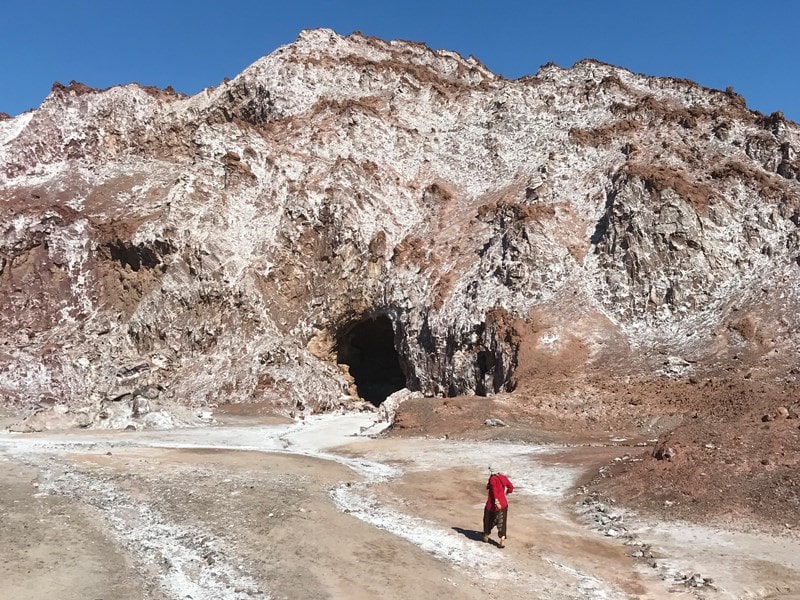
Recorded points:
(132, 372)
(206, 416)
(140, 406)
(388, 408)
(694, 580)
(676, 361)
(151, 392)
(664, 453)
(126, 397)
(83, 419)
(54, 418)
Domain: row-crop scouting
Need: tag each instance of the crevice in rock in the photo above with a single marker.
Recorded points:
(367, 347)
(137, 256)
(603, 224)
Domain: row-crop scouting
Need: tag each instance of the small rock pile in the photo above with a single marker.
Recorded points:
(780, 413)
(140, 408)
(603, 516)
(695, 580)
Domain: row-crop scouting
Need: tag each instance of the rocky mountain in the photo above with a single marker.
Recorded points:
(351, 216)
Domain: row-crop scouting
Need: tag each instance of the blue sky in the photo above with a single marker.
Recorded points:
(753, 47)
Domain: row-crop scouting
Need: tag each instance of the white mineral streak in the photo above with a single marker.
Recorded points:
(178, 552)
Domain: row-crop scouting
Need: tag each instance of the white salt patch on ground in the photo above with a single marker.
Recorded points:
(428, 536)
(442, 543)
(465, 554)
(518, 461)
(262, 438)
(319, 436)
(589, 586)
(178, 553)
(321, 432)
(725, 556)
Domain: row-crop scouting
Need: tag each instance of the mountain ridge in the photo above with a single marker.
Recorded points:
(589, 219)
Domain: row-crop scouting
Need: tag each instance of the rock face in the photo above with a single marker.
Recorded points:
(347, 202)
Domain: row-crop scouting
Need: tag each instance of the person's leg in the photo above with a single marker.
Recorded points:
(502, 522)
(488, 522)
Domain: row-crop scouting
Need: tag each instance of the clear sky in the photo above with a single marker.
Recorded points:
(191, 44)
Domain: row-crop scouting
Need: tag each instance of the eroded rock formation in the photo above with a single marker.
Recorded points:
(234, 245)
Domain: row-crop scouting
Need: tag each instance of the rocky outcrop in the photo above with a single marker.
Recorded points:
(225, 247)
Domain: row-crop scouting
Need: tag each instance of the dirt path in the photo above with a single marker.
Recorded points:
(315, 510)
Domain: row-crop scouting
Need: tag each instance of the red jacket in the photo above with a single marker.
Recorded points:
(498, 486)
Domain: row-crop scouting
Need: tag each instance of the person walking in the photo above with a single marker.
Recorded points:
(495, 513)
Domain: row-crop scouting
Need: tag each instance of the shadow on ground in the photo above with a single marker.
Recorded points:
(474, 535)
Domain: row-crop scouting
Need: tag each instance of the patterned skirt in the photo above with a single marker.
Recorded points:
(497, 519)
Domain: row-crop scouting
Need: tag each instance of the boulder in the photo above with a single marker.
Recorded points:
(664, 453)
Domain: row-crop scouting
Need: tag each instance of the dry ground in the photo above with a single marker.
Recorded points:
(263, 509)
(736, 442)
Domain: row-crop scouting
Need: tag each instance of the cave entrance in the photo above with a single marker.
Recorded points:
(484, 370)
(367, 347)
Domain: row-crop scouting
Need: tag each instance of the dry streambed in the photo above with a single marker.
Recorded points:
(321, 510)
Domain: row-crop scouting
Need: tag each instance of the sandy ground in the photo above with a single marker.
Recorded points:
(265, 509)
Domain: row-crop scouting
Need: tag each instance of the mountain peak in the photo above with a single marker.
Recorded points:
(244, 243)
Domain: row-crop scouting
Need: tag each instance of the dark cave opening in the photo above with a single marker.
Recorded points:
(367, 347)
(484, 370)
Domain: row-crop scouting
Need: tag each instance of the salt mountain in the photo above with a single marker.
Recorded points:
(351, 216)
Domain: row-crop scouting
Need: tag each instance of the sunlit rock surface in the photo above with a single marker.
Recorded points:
(225, 247)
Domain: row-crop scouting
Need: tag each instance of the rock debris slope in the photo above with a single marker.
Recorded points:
(260, 240)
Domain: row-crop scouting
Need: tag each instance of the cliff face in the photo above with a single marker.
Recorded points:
(401, 211)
